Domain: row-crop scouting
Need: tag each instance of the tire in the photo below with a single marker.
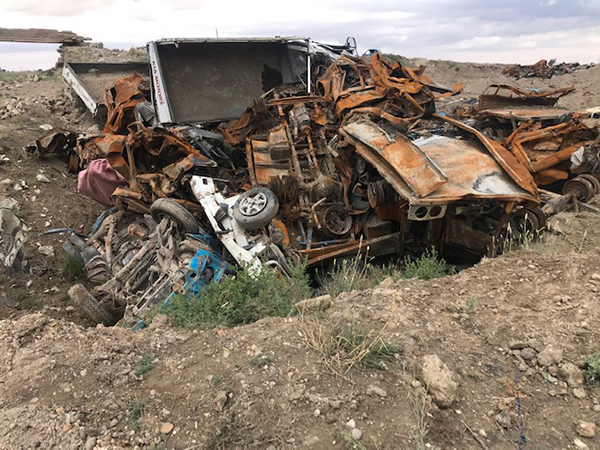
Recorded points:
(255, 208)
(164, 207)
(89, 306)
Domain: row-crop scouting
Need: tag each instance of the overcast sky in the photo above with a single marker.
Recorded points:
(520, 31)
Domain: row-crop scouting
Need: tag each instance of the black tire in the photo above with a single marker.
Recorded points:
(164, 207)
(255, 208)
(89, 306)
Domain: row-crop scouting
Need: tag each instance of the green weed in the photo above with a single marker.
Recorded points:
(135, 411)
(592, 371)
(73, 270)
(427, 267)
(471, 304)
(146, 365)
(261, 361)
(351, 443)
(240, 298)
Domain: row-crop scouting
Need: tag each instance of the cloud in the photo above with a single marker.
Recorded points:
(524, 30)
(63, 8)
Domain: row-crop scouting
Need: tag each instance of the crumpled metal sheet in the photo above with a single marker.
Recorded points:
(121, 99)
(13, 235)
(152, 160)
(541, 69)
(546, 150)
(504, 96)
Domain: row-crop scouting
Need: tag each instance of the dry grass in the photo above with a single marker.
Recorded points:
(420, 404)
(347, 346)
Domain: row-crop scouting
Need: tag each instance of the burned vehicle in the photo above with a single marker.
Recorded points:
(336, 156)
(554, 144)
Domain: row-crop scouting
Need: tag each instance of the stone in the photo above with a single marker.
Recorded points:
(439, 381)
(376, 390)
(387, 283)
(8, 203)
(166, 428)
(528, 354)
(42, 178)
(356, 434)
(503, 419)
(550, 356)
(579, 393)
(90, 443)
(586, 429)
(46, 250)
(517, 345)
(114, 422)
(572, 374)
(351, 424)
(314, 304)
(596, 408)
(220, 400)
(580, 445)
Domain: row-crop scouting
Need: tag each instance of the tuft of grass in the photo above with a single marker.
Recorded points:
(262, 360)
(592, 371)
(23, 300)
(146, 365)
(240, 298)
(73, 270)
(217, 380)
(420, 404)
(135, 411)
(351, 443)
(379, 273)
(471, 304)
(344, 346)
(347, 275)
(427, 267)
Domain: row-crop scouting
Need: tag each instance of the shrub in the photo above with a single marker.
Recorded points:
(240, 298)
(593, 368)
(427, 267)
(73, 270)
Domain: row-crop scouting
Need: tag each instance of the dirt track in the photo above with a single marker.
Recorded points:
(65, 385)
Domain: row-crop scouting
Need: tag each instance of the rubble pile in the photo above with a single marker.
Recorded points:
(351, 159)
(543, 69)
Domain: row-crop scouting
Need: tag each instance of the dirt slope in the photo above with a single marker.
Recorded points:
(63, 384)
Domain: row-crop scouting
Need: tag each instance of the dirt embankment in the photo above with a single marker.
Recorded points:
(512, 334)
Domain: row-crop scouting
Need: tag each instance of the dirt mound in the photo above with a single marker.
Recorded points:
(477, 77)
(269, 384)
(96, 52)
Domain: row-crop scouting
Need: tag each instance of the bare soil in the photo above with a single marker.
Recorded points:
(270, 385)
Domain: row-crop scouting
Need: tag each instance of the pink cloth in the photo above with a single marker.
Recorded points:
(99, 181)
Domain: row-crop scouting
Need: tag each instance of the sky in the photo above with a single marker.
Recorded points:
(507, 31)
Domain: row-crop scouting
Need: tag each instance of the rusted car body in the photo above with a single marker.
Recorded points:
(288, 150)
(333, 148)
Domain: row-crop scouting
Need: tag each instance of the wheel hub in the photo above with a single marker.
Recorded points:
(253, 204)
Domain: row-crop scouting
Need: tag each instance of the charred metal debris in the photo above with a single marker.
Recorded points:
(335, 156)
(543, 69)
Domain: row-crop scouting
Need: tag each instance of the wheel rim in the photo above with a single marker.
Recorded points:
(253, 204)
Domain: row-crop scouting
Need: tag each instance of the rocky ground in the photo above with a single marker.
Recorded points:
(500, 347)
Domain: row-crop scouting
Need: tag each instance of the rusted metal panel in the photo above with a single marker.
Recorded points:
(400, 156)
(498, 96)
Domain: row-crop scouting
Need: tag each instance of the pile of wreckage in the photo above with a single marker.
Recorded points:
(543, 69)
(273, 152)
